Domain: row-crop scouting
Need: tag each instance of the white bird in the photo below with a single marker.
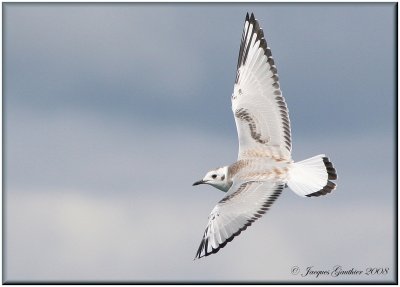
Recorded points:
(264, 166)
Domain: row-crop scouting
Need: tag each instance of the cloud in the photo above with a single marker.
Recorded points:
(75, 235)
(97, 45)
(106, 155)
(174, 61)
(113, 111)
(115, 202)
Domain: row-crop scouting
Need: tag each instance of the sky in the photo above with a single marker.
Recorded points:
(112, 111)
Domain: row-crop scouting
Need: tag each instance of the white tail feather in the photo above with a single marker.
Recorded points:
(311, 177)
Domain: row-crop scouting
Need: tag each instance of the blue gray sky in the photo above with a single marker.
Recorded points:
(112, 111)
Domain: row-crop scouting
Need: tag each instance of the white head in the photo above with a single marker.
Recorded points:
(217, 178)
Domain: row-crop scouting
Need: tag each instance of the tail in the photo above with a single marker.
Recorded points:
(312, 176)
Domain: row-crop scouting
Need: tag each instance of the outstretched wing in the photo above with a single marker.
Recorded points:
(259, 108)
(244, 203)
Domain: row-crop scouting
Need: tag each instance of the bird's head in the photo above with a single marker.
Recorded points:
(217, 178)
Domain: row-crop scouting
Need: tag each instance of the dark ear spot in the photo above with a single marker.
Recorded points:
(223, 177)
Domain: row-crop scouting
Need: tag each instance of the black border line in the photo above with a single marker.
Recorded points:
(161, 282)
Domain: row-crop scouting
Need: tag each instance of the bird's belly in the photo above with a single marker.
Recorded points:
(265, 170)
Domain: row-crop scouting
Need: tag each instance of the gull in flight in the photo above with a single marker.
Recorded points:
(264, 166)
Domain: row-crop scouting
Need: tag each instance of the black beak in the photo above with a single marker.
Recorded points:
(199, 182)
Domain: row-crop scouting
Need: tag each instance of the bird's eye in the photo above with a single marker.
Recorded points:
(214, 176)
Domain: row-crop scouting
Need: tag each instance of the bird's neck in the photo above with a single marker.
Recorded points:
(227, 183)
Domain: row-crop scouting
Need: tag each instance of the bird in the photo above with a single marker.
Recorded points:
(264, 166)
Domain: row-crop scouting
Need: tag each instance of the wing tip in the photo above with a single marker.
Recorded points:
(221, 245)
(252, 18)
(259, 36)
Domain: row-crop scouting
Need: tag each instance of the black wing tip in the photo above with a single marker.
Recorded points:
(260, 36)
(222, 245)
(252, 18)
